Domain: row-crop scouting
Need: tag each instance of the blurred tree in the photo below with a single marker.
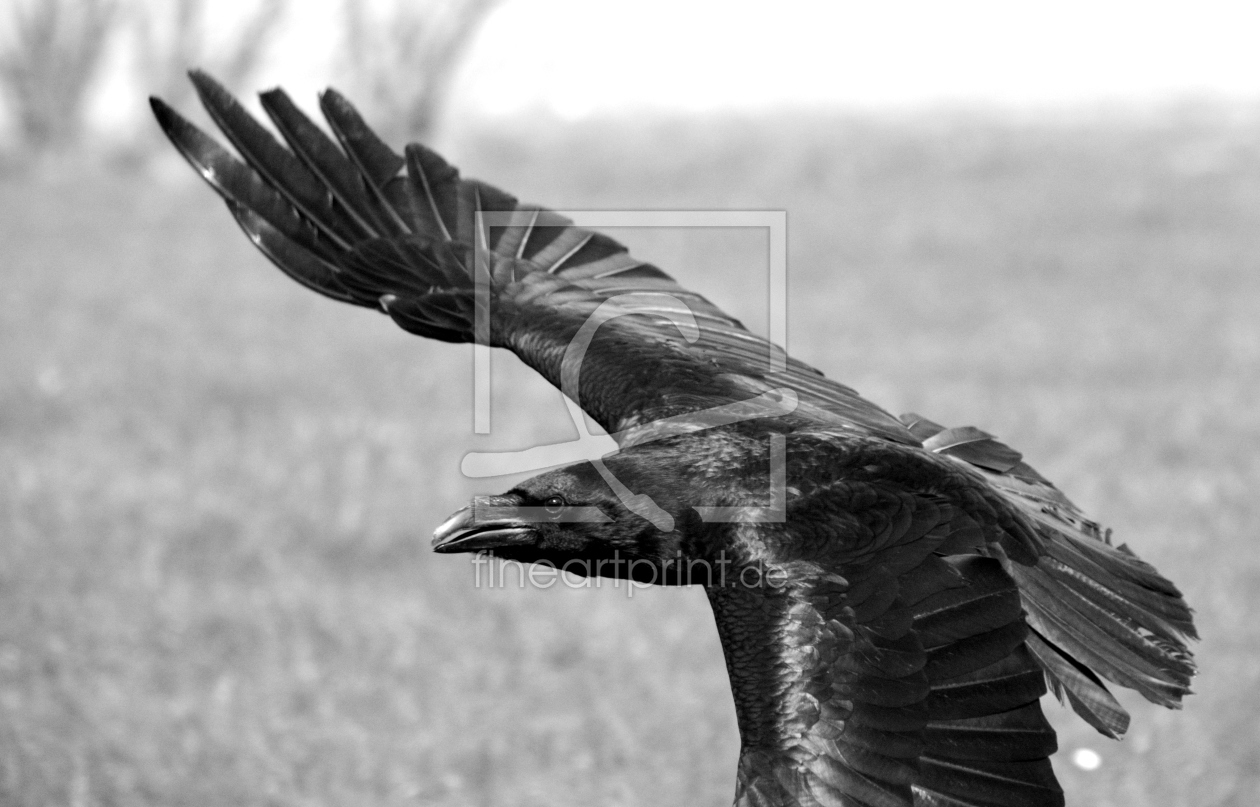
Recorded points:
(47, 65)
(174, 37)
(170, 37)
(402, 56)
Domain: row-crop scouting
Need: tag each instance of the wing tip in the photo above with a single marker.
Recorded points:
(205, 83)
(187, 138)
(164, 112)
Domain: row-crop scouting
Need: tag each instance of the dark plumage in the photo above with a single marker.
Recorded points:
(915, 587)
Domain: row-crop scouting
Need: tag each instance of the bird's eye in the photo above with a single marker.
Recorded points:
(554, 505)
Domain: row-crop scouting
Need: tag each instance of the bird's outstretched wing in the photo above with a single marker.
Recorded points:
(892, 667)
(1095, 609)
(902, 654)
(360, 223)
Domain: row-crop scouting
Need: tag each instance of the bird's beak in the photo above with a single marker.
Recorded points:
(485, 524)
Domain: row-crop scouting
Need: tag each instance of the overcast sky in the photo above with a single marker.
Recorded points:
(581, 57)
(577, 56)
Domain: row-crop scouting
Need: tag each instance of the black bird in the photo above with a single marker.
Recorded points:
(892, 596)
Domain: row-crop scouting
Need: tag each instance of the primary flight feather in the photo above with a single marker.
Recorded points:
(893, 597)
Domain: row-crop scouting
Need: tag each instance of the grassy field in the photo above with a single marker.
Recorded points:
(216, 488)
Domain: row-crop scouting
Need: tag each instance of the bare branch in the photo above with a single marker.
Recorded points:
(47, 67)
(404, 60)
(174, 41)
(250, 46)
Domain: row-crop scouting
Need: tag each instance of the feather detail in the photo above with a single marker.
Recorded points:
(339, 175)
(292, 177)
(1073, 681)
(1097, 610)
(986, 741)
(378, 164)
(295, 260)
(265, 215)
(974, 446)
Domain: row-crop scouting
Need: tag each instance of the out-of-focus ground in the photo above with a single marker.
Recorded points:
(216, 488)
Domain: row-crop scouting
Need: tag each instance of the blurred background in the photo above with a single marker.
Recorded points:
(216, 488)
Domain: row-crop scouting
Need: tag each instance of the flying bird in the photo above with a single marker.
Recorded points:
(893, 597)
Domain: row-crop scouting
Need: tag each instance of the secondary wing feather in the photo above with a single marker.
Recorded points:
(883, 672)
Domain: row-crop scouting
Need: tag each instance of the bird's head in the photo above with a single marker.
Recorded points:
(615, 518)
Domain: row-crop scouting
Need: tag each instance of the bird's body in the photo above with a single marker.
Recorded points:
(892, 596)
